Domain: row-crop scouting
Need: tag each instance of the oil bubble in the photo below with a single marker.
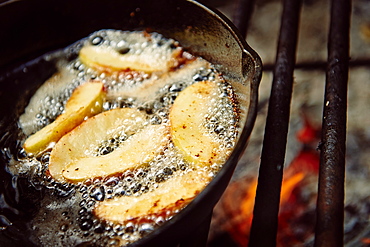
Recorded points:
(97, 40)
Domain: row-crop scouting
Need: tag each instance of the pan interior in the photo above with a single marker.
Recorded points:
(204, 34)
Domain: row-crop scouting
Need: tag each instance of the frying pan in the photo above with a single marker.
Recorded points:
(31, 28)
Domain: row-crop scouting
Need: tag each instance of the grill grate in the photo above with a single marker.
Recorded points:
(330, 204)
(265, 219)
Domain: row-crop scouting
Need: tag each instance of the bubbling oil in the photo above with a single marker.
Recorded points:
(65, 215)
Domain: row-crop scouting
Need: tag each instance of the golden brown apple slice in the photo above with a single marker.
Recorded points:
(53, 87)
(85, 140)
(137, 150)
(170, 196)
(107, 59)
(187, 119)
(85, 101)
(150, 89)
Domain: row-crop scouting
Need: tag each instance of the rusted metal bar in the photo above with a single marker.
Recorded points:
(266, 208)
(242, 15)
(322, 65)
(330, 202)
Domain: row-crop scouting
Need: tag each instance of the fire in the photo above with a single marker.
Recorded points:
(288, 186)
(247, 204)
(294, 199)
(365, 240)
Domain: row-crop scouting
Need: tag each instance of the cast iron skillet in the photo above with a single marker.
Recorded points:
(30, 28)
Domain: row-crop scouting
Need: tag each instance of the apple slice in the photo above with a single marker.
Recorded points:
(85, 101)
(137, 150)
(107, 59)
(85, 140)
(53, 87)
(187, 118)
(170, 196)
(76, 158)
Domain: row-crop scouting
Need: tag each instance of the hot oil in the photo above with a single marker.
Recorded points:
(65, 212)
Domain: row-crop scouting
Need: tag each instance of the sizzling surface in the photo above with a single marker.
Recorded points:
(66, 211)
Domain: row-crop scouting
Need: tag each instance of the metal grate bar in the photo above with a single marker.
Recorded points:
(243, 14)
(322, 65)
(266, 208)
(330, 203)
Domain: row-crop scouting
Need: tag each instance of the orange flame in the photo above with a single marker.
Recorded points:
(365, 240)
(304, 165)
(288, 186)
